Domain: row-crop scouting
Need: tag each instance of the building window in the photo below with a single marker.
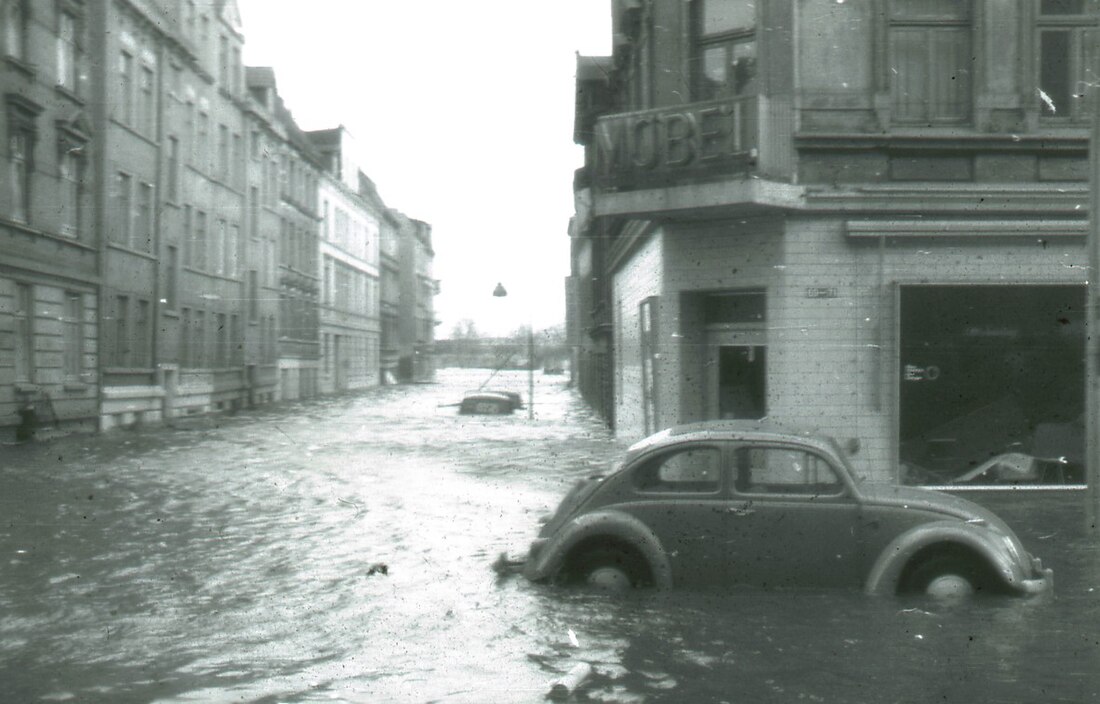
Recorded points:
(202, 143)
(217, 249)
(143, 226)
(122, 232)
(73, 331)
(221, 341)
(141, 335)
(126, 88)
(254, 212)
(15, 28)
(71, 171)
(223, 61)
(171, 286)
(725, 50)
(24, 333)
(173, 168)
(236, 349)
(236, 161)
(1067, 58)
(67, 52)
(930, 60)
(233, 251)
(253, 295)
(199, 248)
(200, 339)
(223, 152)
(148, 102)
(188, 245)
(19, 158)
(185, 337)
(123, 340)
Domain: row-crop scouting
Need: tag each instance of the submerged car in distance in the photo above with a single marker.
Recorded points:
(723, 503)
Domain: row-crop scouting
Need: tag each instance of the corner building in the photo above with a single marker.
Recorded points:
(866, 218)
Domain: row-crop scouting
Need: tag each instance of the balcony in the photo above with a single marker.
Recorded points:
(675, 145)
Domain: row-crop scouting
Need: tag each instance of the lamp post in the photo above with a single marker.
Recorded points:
(501, 292)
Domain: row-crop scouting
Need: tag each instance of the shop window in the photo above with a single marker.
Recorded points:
(930, 60)
(1067, 54)
(991, 384)
(724, 61)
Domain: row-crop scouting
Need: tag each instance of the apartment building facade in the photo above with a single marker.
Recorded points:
(49, 274)
(350, 286)
(160, 226)
(865, 218)
(416, 300)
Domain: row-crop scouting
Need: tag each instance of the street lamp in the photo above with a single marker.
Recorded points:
(501, 292)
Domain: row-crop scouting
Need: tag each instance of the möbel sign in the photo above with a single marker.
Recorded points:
(641, 148)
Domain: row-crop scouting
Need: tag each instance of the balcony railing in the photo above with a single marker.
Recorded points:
(673, 145)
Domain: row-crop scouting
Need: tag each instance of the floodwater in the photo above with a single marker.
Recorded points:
(340, 551)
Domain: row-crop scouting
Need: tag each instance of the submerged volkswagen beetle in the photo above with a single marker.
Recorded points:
(729, 502)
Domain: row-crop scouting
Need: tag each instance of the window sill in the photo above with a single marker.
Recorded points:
(26, 387)
(69, 94)
(170, 313)
(28, 70)
(75, 386)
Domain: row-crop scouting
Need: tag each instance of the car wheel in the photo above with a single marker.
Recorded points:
(946, 576)
(610, 569)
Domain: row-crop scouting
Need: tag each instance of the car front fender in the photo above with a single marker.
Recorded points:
(989, 545)
(548, 556)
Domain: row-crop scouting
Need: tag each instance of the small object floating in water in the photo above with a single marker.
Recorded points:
(378, 568)
(565, 685)
(490, 403)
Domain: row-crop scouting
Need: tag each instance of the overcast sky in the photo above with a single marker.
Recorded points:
(463, 116)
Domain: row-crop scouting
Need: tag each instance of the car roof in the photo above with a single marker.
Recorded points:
(731, 430)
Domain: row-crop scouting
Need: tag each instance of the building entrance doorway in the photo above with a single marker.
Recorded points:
(991, 384)
(738, 363)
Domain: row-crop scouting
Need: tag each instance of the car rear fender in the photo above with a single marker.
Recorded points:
(988, 545)
(610, 525)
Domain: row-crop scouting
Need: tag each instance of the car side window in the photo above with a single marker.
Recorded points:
(783, 470)
(688, 470)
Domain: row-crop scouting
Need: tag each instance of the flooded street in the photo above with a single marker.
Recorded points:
(341, 551)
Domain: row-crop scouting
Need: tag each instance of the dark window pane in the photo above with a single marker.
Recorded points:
(1062, 7)
(727, 15)
(747, 307)
(1054, 72)
(930, 9)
